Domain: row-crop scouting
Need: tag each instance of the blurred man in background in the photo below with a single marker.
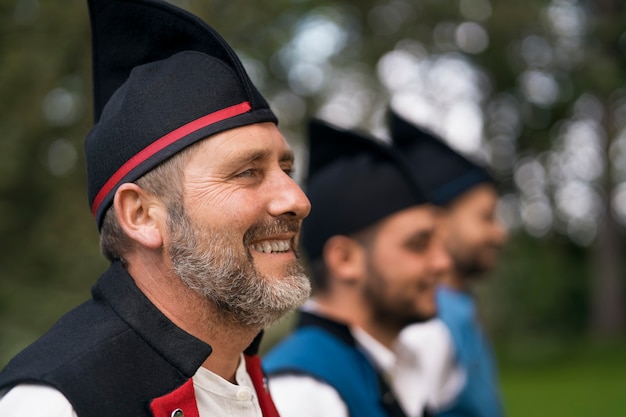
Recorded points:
(473, 237)
(374, 262)
(189, 182)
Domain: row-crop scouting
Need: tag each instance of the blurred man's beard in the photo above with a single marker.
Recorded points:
(471, 264)
(396, 311)
(219, 266)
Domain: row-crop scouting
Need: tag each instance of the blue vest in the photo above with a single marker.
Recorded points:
(118, 355)
(326, 351)
(480, 395)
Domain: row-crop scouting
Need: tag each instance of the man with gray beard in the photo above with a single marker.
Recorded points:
(228, 277)
(189, 182)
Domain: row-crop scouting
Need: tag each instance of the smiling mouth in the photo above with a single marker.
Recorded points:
(272, 246)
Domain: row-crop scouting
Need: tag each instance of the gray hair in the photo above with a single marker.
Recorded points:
(164, 181)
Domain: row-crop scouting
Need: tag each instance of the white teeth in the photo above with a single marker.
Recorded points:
(273, 246)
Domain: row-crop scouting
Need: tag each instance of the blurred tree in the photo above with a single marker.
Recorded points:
(608, 316)
(48, 245)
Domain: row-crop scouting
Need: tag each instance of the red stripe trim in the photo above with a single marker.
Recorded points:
(164, 142)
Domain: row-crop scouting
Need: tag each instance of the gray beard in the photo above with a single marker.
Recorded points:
(227, 277)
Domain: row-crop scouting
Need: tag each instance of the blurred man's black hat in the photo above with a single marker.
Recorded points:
(353, 182)
(163, 80)
(444, 173)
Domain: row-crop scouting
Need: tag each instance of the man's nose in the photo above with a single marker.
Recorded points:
(288, 198)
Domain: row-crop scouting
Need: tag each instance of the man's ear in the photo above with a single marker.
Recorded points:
(141, 215)
(345, 259)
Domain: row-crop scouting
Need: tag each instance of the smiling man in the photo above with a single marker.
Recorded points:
(189, 182)
(375, 264)
(473, 236)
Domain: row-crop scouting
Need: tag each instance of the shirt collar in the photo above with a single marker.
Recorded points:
(382, 357)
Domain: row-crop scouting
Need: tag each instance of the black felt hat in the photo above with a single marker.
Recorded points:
(353, 182)
(163, 80)
(444, 173)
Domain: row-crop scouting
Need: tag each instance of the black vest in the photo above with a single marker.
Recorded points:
(114, 355)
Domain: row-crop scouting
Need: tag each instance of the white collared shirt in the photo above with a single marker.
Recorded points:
(432, 343)
(419, 370)
(215, 396)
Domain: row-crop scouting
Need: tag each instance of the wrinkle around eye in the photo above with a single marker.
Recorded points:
(213, 191)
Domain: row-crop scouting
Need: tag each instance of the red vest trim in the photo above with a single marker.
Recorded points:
(253, 365)
(182, 398)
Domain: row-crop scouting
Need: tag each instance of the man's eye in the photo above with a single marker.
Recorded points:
(289, 171)
(488, 217)
(417, 245)
(248, 173)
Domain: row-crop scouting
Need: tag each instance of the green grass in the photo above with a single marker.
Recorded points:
(580, 381)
